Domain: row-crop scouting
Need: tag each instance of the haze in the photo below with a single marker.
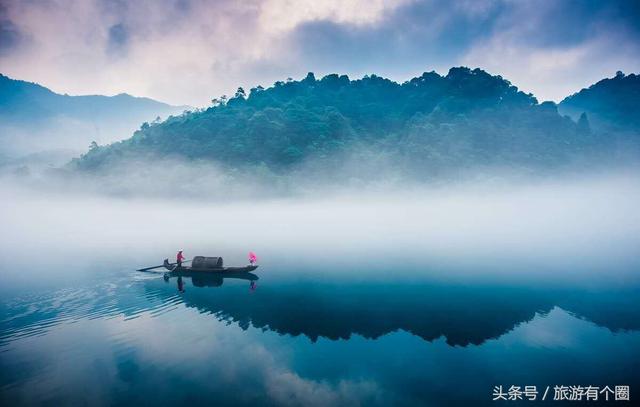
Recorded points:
(570, 226)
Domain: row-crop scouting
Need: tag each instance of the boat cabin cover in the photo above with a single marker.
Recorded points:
(201, 262)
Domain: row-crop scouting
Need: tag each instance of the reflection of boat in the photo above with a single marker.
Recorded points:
(209, 265)
(200, 279)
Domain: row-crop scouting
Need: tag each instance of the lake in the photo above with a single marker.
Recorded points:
(437, 298)
(126, 337)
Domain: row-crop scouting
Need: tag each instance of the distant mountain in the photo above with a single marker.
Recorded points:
(425, 126)
(611, 105)
(33, 119)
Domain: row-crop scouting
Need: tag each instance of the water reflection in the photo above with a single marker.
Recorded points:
(462, 314)
(314, 340)
(200, 279)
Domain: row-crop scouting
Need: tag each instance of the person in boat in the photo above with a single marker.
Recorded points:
(252, 258)
(179, 258)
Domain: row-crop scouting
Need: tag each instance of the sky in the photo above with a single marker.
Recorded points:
(190, 51)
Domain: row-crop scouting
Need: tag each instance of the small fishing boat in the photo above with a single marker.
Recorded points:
(201, 264)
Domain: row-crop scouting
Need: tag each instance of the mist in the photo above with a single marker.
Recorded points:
(55, 141)
(565, 227)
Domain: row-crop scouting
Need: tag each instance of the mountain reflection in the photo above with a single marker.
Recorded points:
(462, 314)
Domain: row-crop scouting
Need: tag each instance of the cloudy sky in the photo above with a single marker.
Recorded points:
(188, 51)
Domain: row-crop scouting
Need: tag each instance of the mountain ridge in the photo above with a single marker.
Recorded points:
(612, 104)
(35, 119)
(435, 122)
(465, 118)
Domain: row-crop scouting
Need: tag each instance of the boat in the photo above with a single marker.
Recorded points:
(209, 265)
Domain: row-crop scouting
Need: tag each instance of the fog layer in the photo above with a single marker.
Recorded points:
(569, 226)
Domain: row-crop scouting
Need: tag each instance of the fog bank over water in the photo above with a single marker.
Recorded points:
(570, 225)
(356, 171)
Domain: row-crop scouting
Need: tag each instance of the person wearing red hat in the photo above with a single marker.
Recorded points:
(179, 258)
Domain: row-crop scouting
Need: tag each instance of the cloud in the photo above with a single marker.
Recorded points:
(9, 36)
(118, 39)
(412, 39)
(170, 50)
(553, 49)
(287, 388)
(284, 15)
(189, 51)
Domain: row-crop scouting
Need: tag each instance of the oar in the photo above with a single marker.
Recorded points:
(162, 265)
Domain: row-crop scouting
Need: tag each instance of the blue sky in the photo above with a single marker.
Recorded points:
(189, 51)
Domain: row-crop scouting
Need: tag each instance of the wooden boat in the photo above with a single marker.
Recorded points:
(201, 264)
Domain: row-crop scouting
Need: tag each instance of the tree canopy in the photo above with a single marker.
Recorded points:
(428, 123)
(612, 104)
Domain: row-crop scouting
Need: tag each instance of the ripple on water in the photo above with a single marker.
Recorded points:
(35, 315)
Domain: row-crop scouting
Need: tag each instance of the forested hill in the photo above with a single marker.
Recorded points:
(429, 123)
(612, 104)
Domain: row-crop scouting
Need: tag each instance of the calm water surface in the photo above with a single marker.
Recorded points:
(302, 337)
